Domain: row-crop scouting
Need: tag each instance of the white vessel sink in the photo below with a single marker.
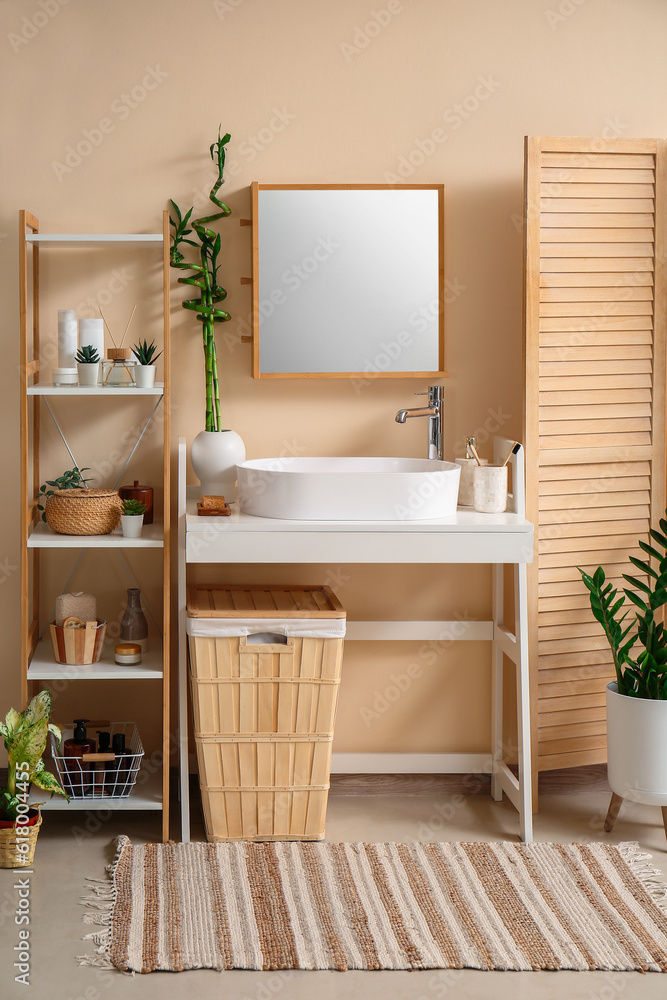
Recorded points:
(348, 489)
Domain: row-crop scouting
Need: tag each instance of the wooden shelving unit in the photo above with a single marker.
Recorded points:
(37, 662)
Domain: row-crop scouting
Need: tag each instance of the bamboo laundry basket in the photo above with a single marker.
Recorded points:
(264, 710)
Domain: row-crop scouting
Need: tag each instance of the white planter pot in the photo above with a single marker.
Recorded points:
(214, 456)
(144, 376)
(88, 374)
(637, 747)
(132, 525)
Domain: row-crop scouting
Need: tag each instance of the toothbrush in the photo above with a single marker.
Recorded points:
(514, 450)
(474, 452)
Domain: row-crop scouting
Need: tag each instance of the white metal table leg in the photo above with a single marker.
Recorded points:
(497, 684)
(184, 771)
(523, 702)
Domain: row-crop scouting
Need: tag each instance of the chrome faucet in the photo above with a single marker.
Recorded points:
(435, 411)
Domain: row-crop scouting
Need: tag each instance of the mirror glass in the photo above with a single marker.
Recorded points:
(347, 281)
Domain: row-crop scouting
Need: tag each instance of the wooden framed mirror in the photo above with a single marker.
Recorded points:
(348, 281)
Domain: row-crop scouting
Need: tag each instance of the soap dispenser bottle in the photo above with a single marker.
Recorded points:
(121, 764)
(103, 746)
(78, 770)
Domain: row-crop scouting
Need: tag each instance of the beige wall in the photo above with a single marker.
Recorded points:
(337, 91)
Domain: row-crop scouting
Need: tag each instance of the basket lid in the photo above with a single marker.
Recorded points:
(207, 600)
(78, 493)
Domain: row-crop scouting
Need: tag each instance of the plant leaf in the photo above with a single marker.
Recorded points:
(28, 745)
(48, 783)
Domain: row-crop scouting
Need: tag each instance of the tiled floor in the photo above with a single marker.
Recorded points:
(427, 810)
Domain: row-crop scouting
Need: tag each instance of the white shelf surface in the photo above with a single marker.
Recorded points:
(146, 794)
(48, 389)
(43, 666)
(89, 240)
(42, 537)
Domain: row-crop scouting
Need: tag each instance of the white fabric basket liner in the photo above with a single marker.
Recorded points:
(298, 628)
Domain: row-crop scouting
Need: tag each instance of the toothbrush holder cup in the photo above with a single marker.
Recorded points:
(490, 489)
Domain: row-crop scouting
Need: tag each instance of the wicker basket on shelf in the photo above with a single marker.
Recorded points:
(83, 512)
(13, 856)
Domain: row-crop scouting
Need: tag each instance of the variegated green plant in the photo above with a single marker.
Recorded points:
(25, 736)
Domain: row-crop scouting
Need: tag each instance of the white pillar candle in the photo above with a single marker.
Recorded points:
(67, 338)
(91, 333)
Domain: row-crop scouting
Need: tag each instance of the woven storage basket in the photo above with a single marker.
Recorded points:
(83, 512)
(11, 838)
(78, 645)
(264, 714)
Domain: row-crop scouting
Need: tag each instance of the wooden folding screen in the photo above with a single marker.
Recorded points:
(595, 410)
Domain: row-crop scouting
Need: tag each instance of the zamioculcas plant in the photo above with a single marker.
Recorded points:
(645, 676)
(25, 736)
(205, 277)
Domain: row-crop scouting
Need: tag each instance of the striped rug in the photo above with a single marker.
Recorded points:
(379, 906)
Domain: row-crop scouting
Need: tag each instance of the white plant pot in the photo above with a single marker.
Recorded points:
(88, 374)
(144, 376)
(637, 747)
(214, 456)
(132, 525)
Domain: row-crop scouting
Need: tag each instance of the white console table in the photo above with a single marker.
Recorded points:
(468, 537)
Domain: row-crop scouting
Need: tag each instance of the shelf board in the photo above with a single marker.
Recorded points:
(48, 389)
(42, 537)
(85, 241)
(146, 794)
(43, 667)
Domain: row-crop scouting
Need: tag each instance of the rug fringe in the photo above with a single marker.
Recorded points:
(99, 905)
(651, 878)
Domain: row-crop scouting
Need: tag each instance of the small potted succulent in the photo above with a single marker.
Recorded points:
(144, 374)
(25, 735)
(88, 365)
(132, 518)
(637, 699)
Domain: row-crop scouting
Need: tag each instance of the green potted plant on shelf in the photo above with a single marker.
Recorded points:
(144, 373)
(25, 735)
(88, 365)
(637, 699)
(216, 450)
(132, 518)
(73, 479)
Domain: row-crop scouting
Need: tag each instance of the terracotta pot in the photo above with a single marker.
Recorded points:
(33, 816)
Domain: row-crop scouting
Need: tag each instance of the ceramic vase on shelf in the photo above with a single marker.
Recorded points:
(133, 626)
(214, 456)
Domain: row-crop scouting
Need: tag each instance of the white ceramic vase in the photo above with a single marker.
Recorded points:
(214, 456)
(132, 525)
(637, 747)
(88, 374)
(144, 376)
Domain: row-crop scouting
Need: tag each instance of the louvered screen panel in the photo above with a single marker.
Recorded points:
(595, 401)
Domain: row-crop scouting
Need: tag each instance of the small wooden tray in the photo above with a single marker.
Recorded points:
(212, 512)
